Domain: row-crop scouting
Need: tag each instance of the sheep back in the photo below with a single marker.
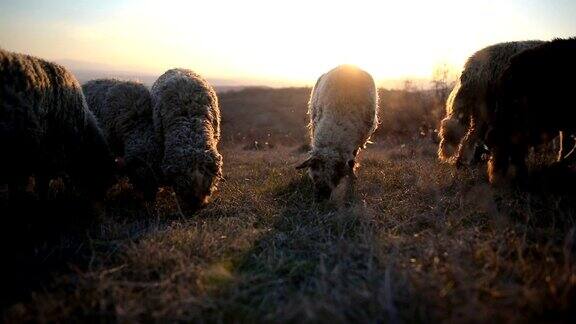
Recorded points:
(343, 109)
(187, 122)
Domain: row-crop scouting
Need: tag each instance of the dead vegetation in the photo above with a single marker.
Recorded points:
(421, 242)
(263, 117)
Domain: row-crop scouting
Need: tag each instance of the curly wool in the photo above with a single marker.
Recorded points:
(124, 110)
(343, 115)
(466, 108)
(343, 110)
(187, 122)
(454, 126)
(46, 127)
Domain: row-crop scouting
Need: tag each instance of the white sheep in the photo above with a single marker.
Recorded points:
(343, 111)
(187, 122)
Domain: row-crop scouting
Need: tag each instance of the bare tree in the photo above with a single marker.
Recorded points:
(442, 82)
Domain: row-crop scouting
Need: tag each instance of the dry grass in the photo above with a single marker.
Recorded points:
(278, 116)
(420, 243)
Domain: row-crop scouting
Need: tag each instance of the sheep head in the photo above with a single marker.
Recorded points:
(327, 173)
(194, 185)
(452, 131)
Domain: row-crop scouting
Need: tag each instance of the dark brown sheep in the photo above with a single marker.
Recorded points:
(465, 125)
(46, 129)
(533, 100)
(124, 111)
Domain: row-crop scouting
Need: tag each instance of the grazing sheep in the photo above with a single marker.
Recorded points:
(467, 111)
(187, 122)
(124, 110)
(533, 100)
(46, 129)
(343, 116)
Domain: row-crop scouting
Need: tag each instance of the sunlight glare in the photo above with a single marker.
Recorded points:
(288, 43)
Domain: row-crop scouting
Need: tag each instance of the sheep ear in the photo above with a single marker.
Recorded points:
(304, 164)
(351, 163)
(350, 167)
(307, 164)
(168, 172)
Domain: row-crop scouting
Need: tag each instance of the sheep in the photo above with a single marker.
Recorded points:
(343, 111)
(47, 130)
(187, 122)
(533, 100)
(465, 124)
(124, 110)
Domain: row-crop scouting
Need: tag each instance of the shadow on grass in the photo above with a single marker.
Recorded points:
(264, 251)
(44, 239)
(320, 263)
(545, 199)
(316, 263)
(39, 238)
(554, 179)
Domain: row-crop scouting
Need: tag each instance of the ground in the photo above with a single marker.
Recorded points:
(420, 242)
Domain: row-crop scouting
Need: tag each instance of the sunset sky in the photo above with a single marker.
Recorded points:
(275, 42)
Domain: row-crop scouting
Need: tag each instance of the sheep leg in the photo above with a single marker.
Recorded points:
(498, 165)
(42, 187)
(518, 162)
(566, 142)
(467, 147)
(350, 190)
(561, 148)
(17, 189)
(570, 156)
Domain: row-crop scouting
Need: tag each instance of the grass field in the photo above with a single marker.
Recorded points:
(421, 242)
